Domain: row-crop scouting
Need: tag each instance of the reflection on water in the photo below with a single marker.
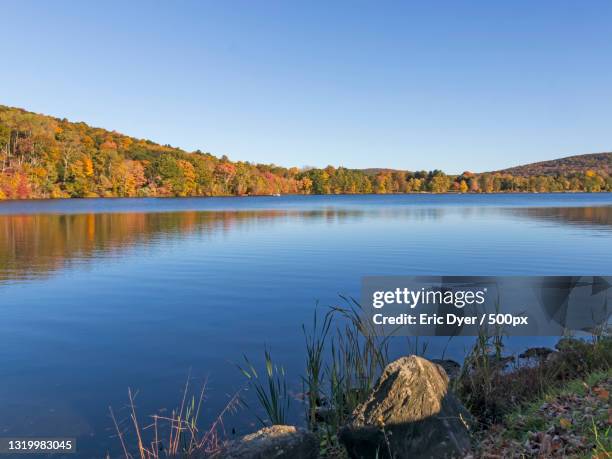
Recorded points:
(32, 246)
(35, 245)
(98, 296)
(584, 216)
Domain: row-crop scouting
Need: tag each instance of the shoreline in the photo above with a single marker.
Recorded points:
(415, 193)
(535, 421)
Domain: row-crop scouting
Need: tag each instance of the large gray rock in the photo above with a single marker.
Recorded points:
(452, 368)
(276, 442)
(409, 414)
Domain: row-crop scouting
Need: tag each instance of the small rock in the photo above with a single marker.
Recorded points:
(276, 442)
(536, 353)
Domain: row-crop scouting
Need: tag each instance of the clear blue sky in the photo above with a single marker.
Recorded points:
(456, 85)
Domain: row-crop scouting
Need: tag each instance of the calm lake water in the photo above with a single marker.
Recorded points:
(100, 295)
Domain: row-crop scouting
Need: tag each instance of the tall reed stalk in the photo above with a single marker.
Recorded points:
(271, 390)
(355, 360)
(313, 381)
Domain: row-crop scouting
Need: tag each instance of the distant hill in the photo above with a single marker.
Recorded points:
(565, 166)
(570, 165)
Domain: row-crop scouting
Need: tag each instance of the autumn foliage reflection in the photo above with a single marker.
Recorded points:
(34, 245)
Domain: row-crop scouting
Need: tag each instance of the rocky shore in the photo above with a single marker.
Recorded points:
(415, 410)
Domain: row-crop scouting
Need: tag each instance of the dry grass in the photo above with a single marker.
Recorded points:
(175, 435)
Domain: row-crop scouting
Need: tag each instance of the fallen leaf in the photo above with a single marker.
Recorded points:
(565, 423)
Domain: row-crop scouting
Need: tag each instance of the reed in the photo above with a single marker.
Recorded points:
(271, 390)
(313, 381)
(176, 435)
(336, 384)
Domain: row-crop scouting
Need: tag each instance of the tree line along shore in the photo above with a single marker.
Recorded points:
(46, 157)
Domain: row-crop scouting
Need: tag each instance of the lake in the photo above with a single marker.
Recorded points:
(100, 295)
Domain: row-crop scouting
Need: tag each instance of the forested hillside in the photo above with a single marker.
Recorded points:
(569, 165)
(46, 157)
